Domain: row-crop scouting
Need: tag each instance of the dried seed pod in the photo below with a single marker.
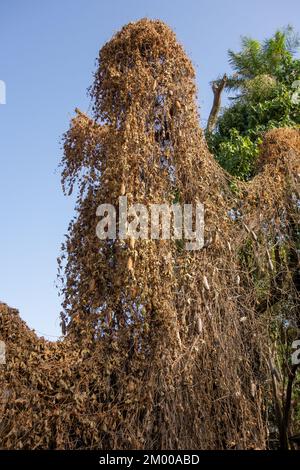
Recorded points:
(254, 236)
(246, 228)
(216, 238)
(108, 317)
(270, 262)
(130, 264)
(178, 338)
(131, 386)
(132, 242)
(133, 292)
(199, 325)
(205, 282)
(271, 265)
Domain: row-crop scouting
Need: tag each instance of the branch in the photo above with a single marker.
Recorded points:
(217, 88)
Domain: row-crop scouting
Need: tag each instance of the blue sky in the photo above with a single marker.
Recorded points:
(47, 57)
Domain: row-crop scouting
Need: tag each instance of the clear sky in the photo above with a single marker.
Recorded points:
(47, 56)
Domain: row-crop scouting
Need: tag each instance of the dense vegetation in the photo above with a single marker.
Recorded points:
(167, 348)
(265, 96)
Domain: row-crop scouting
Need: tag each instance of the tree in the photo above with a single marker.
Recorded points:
(263, 80)
(151, 310)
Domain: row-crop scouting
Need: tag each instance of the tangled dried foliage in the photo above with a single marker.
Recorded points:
(165, 348)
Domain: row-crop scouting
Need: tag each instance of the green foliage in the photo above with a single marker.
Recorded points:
(231, 149)
(263, 79)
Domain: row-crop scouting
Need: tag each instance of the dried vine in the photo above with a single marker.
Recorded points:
(165, 348)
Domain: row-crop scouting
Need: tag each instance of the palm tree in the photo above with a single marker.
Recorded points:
(255, 67)
(258, 58)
